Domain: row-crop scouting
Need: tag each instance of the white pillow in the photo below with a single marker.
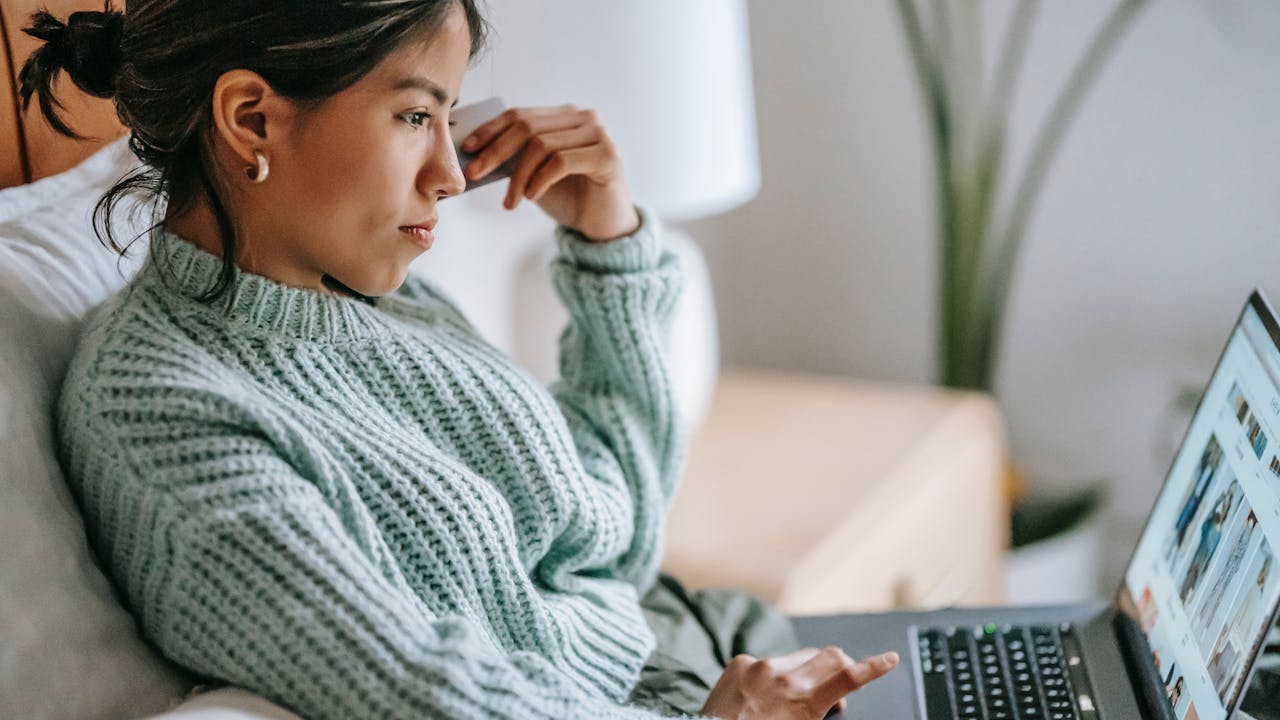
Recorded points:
(68, 648)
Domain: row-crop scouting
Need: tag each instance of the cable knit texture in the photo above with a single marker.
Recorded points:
(364, 510)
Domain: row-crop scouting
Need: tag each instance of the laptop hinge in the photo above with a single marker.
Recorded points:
(1143, 675)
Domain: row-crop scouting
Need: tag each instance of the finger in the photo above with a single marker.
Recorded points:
(828, 675)
(791, 661)
(799, 657)
(589, 161)
(836, 674)
(738, 665)
(506, 138)
(825, 661)
(539, 147)
(877, 667)
(494, 126)
(838, 707)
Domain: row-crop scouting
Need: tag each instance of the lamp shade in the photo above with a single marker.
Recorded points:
(671, 80)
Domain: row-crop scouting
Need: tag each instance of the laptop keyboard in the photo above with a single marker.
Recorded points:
(1003, 672)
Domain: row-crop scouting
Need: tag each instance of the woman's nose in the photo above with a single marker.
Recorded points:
(443, 174)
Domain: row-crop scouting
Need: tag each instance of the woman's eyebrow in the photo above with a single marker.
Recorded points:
(418, 82)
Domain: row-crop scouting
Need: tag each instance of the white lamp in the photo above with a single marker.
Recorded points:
(672, 82)
(671, 79)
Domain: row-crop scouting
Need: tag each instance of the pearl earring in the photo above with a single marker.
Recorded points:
(259, 173)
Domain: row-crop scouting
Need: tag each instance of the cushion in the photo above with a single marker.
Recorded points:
(68, 648)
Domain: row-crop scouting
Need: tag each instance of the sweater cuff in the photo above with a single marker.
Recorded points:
(641, 250)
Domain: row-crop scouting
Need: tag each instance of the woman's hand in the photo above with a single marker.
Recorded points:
(568, 165)
(804, 685)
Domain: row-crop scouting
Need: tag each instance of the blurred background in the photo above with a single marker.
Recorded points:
(1160, 215)
(1156, 218)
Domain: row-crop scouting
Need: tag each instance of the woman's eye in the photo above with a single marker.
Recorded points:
(417, 119)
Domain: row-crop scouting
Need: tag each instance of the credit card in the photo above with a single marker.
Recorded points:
(466, 119)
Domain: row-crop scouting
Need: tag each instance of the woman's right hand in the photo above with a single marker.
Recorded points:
(804, 685)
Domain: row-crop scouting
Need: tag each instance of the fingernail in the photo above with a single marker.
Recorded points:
(890, 657)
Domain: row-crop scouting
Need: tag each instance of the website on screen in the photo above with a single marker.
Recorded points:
(1203, 580)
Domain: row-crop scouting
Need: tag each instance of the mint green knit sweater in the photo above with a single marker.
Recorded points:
(367, 511)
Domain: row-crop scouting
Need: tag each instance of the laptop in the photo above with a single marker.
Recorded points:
(1182, 635)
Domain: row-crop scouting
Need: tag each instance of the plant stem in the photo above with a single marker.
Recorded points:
(932, 84)
(1009, 63)
(981, 206)
(994, 301)
(968, 221)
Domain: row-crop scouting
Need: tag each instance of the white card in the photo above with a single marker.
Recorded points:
(466, 119)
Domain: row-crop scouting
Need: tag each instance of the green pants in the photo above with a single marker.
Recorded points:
(698, 633)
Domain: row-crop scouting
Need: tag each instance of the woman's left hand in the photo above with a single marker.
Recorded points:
(567, 165)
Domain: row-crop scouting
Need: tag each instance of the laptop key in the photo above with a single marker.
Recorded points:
(1051, 662)
(1078, 682)
(934, 664)
(987, 672)
(967, 671)
(937, 697)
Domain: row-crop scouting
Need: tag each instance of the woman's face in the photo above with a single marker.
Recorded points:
(369, 161)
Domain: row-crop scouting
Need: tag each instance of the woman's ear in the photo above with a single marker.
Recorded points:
(247, 114)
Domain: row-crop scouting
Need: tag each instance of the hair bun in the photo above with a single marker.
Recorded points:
(87, 46)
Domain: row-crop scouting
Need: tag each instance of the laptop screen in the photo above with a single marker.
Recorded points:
(1204, 582)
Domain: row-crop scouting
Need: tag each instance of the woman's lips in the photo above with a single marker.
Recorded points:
(421, 236)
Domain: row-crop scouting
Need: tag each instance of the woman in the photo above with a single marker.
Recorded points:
(305, 471)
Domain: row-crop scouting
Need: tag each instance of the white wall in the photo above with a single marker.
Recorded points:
(1161, 212)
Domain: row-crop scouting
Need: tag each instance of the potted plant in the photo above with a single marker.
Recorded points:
(981, 229)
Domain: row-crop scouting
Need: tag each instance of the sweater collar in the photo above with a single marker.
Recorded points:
(258, 301)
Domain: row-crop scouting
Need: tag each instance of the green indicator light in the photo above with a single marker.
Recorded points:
(990, 628)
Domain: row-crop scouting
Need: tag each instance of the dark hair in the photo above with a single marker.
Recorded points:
(159, 61)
